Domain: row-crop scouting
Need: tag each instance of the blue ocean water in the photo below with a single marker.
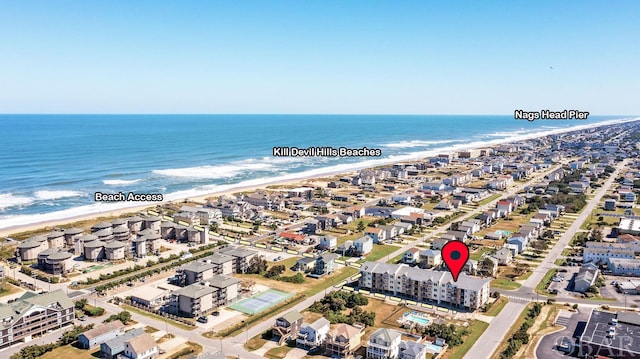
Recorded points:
(50, 165)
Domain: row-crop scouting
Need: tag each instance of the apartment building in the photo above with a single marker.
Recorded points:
(202, 298)
(424, 285)
(34, 314)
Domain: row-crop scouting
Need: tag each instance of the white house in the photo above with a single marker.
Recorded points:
(312, 335)
(378, 235)
(363, 245)
(411, 255)
(383, 344)
(328, 242)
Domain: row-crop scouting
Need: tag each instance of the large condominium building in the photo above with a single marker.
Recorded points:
(424, 285)
(34, 314)
(202, 298)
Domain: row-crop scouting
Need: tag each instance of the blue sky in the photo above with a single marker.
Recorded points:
(476, 57)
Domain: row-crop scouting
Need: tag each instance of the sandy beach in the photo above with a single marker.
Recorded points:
(299, 180)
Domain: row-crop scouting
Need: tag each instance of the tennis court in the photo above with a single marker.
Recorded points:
(260, 301)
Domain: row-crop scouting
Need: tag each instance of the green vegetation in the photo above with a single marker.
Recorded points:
(87, 309)
(275, 273)
(333, 305)
(380, 251)
(506, 284)
(124, 317)
(489, 199)
(163, 264)
(473, 332)
(45, 278)
(68, 337)
(544, 283)
(7, 289)
(191, 351)
(496, 307)
(186, 326)
(521, 337)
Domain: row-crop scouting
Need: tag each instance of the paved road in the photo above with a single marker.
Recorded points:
(489, 341)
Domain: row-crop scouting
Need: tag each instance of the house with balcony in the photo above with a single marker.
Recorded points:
(343, 340)
(384, 344)
(325, 264)
(314, 334)
(287, 326)
(34, 314)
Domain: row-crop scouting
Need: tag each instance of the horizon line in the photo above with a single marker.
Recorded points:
(273, 114)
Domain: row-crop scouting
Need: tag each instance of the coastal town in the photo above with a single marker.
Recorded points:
(351, 265)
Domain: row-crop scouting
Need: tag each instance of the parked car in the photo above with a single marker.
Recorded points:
(203, 319)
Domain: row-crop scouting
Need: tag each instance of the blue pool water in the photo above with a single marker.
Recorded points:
(416, 319)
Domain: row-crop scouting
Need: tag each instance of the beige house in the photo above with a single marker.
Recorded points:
(343, 340)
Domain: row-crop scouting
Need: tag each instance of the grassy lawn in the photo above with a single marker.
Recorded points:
(526, 275)
(69, 351)
(506, 284)
(475, 331)
(8, 289)
(559, 262)
(190, 351)
(489, 199)
(477, 254)
(278, 352)
(156, 317)
(255, 343)
(150, 330)
(497, 306)
(396, 259)
(380, 251)
(544, 283)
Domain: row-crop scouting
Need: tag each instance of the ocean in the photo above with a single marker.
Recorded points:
(51, 165)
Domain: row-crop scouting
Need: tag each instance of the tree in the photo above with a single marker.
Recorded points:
(521, 268)
(80, 304)
(360, 226)
(596, 234)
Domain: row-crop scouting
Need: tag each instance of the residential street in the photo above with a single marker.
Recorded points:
(489, 341)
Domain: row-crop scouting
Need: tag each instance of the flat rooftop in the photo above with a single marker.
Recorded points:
(626, 331)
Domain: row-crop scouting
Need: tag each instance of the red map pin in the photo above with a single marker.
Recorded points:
(455, 255)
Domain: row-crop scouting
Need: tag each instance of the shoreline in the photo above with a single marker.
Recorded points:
(288, 179)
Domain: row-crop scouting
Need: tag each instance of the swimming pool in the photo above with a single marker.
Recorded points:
(433, 348)
(414, 317)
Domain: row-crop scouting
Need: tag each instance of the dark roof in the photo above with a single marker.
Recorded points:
(596, 333)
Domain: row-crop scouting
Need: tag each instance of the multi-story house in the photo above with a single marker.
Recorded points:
(424, 285)
(325, 264)
(287, 326)
(384, 344)
(314, 334)
(34, 314)
(343, 340)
